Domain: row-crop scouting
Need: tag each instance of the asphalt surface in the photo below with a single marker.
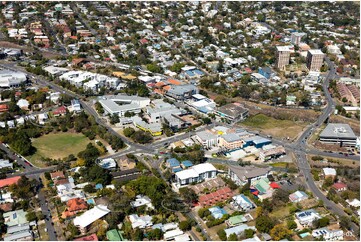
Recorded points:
(302, 162)
(299, 147)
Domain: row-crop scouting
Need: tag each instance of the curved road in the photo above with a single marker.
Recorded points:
(301, 158)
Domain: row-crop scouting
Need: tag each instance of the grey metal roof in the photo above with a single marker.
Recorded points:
(113, 107)
(338, 130)
(206, 135)
(248, 171)
(231, 137)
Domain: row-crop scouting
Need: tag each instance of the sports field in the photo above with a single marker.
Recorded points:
(57, 146)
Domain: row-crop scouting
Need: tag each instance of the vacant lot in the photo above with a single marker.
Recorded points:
(57, 146)
(275, 127)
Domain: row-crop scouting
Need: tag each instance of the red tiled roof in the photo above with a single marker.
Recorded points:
(60, 110)
(57, 174)
(3, 107)
(339, 185)
(76, 204)
(274, 185)
(143, 41)
(61, 181)
(9, 181)
(174, 82)
(217, 196)
(6, 207)
(92, 237)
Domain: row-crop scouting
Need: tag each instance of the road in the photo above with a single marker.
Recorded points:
(299, 147)
(301, 157)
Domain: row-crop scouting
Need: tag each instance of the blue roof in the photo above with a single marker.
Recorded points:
(203, 109)
(217, 212)
(177, 169)
(187, 163)
(198, 72)
(90, 201)
(157, 226)
(190, 73)
(173, 162)
(98, 186)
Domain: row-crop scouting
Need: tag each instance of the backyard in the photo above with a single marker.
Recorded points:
(57, 146)
(275, 127)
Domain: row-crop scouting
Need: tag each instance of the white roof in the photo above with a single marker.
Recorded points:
(329, 171)
(172, 233)
(185, 174)
(283, 48)
(199, 96)
(205, 167)
(183, 237)
(316, 52)
(354, 203)
(91, 216)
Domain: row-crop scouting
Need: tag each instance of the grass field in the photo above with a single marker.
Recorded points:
(57, 146)
(275, 127)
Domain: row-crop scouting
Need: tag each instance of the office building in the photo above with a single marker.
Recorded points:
(336, 133)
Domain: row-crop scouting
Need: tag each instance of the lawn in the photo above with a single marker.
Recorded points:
(57, 146)
(275, 127)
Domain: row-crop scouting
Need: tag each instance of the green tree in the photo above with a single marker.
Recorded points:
(185, 225)
(31, 216)
(155, 234)
(264, 224)
(291, 224)
(89, 188)
(114, 119)
(233, 237)
(322, 222)
(128, 132)
(188, 194)
(248, 233)
(280, 232)
(222, 234)
(345, 222)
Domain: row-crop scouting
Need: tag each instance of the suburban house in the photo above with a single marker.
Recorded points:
(327, 234)
(141, 222)
(238, 230)
(142, 201)
(339, 187)
(236, 220)
(242, 203)
(306, 217)
(195, 173)
(266, 72)
(217, 212)
(90, 216)
(329, 172)
(298, 196)
(74, 206)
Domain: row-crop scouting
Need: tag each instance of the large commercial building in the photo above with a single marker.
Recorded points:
(315, 59)
(336, 133)
(282, 56)
(11, 78)
(120, 104)
(232, 112)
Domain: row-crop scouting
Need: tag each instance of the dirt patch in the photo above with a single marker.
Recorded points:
(46, 54)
